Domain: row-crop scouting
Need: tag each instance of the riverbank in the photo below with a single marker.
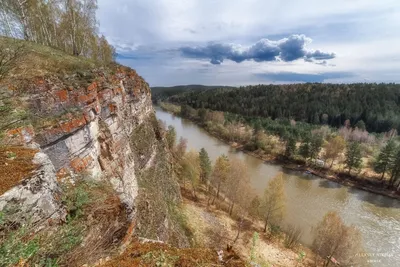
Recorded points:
(212, 227)
(325, 173)
(365, 184)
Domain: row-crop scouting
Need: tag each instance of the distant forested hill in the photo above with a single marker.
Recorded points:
(374, 106)
(161, 93)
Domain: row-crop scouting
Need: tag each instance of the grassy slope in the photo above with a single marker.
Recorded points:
(38, 60)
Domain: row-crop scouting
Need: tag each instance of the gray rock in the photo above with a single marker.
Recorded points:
(36, 199)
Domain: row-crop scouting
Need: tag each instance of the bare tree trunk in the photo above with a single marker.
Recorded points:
(24, 19)
(231, 208)
(330, 167)
(266, 220)
(73, 27)
(194, 190)
(239, 229)
(383, 174)
(327, 261)
(5, 18)
(217, 195)
(391, 180)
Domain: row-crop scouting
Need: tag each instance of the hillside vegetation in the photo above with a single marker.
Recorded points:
(375, 107)
(349, 155)
(162, 93)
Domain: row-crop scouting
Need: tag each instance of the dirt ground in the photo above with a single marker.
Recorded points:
(213, 227)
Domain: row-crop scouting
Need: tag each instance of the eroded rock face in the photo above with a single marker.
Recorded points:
(98, 125)
(88, 121)
(37, 198)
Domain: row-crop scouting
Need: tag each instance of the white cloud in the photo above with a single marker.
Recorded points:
(362, 33)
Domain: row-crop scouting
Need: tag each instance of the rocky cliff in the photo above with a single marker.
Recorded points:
(94, 124)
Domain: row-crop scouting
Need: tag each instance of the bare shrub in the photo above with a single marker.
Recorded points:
(10, 53)
(292, 236)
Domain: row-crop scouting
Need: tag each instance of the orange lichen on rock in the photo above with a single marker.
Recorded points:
(117, 91)
(73, 124)
(62, 95)
(62, 173)
(105, 95)
(92, 86)
(15, 165)
(89, 98)
(81, 164)
(20, 136)
(113, 108)
(151, 254)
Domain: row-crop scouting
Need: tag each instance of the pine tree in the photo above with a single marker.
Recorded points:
(205, 165)
(360, 125)
(385, 158)
(315, 146)
(353, 156)
(171, 137)
(305, 148)
(290, 149)
(395, 170)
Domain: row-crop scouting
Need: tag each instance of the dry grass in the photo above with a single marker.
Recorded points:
(159, 254)
(105, 225)
(95, 228)
(213, 227)
(16, 165)
(40, 60)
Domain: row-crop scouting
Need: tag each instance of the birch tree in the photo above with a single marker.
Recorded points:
(220, 173)
(190, 164)
(333, 148)
(238, 184)
(336, 241)
(273, 202)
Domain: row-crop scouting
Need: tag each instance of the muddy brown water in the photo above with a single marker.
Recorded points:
(310, 197)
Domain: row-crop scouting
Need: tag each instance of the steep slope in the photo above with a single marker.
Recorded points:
(60, 126)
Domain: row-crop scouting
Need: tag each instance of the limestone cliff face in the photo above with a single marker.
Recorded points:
(37, 198)
(99, 125)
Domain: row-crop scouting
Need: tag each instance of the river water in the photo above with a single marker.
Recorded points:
(309, 197)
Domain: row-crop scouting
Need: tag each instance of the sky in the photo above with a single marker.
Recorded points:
(232, 42)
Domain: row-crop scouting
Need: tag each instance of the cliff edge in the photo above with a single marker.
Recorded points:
(66, 121)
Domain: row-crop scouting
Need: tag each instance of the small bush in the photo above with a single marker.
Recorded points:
(292, 236)
(75, 201)
(17, 246)
(275, 230)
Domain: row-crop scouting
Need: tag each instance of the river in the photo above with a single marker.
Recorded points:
(310, 197)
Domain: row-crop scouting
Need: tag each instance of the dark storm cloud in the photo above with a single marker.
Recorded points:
(318, 55)
(286, 49)
(303, 77)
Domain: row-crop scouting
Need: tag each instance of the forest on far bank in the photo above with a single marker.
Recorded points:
(367, 106)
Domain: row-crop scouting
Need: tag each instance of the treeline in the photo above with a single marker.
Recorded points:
(226, 183)
(348, 151)
(370, 106)
(69, 25)
(160, 93)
